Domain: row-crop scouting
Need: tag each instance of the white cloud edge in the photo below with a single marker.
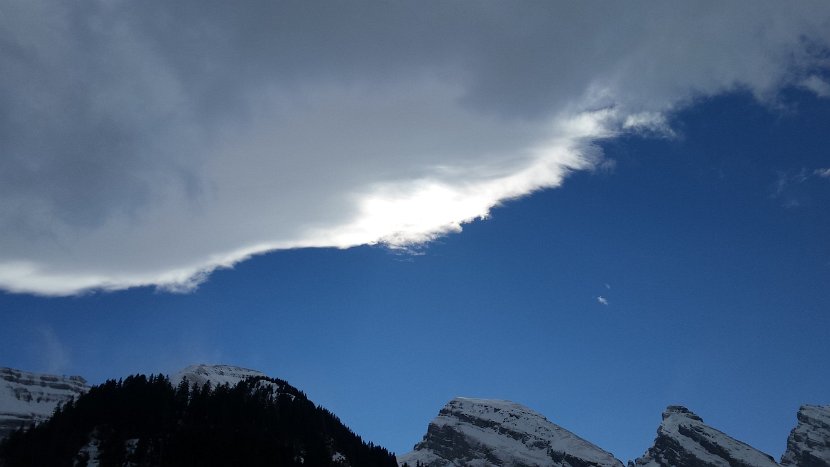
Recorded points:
(385, 211)
(385, 216)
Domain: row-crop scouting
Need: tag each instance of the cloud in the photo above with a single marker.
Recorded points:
(602, 300)
(649, 124)
(818, 85)
(788, 186)
(786, 179)
(149, 143)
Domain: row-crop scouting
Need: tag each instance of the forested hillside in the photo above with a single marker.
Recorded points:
(146, 421)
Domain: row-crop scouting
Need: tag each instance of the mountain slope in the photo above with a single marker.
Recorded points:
(809, 443)
(479, 432)
(27, 398)
(683, 440)
(146, 421)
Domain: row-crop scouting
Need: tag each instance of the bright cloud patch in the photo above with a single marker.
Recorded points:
(817, 85)
(148, 143)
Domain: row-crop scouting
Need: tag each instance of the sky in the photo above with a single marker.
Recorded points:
(595, 210)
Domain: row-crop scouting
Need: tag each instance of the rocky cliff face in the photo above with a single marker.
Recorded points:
(27, 398)
(479, 432)
(809, 442)
(683, 440)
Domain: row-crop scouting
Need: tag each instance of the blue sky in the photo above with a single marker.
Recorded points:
(593, 212)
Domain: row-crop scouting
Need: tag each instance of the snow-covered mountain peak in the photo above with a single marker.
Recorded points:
(27, 398)
(478, 432)
(216, 374)
(809, 442)
(683, 439)
(489, 403)
(492, 409)
(680, 411)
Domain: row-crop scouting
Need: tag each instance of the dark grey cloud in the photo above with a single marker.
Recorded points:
(150, 142)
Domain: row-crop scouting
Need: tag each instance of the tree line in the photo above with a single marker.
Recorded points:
(146, 421)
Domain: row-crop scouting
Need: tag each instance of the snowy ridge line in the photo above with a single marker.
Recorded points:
(684, 439)
(482, 432)
(28, 398)
(215, 374)
(479, 432)
(218, 375)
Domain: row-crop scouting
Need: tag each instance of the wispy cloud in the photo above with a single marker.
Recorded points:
(785, 180)
(53, 354)
(602, 300)
(787, 186)
(649, 124)
(146, 154)
(818, 85)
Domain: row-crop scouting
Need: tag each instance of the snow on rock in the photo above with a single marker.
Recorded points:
(339, 459)
(683, 440)
(216, 374)
(481, 432)
(89, 455)
(27, 398)
(809, 442)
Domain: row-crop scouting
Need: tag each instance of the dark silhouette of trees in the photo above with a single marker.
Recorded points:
(145, 421)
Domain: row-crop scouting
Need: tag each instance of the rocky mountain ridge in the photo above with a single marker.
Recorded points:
(683, 439)
(476, 432)
(27, 398)
(480, 432)
(492, 432)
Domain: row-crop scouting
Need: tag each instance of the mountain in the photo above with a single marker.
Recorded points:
(243, 417)
(215, 374)
(28, 398)
(809, 442)
(147, 421)
(683, 440)
(480, 432)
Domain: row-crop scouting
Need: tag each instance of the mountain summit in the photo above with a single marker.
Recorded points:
(809, 442)
(480, 432)
(217, 375)
(684, 440)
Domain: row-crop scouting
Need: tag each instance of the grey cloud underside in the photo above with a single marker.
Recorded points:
(144, 142)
